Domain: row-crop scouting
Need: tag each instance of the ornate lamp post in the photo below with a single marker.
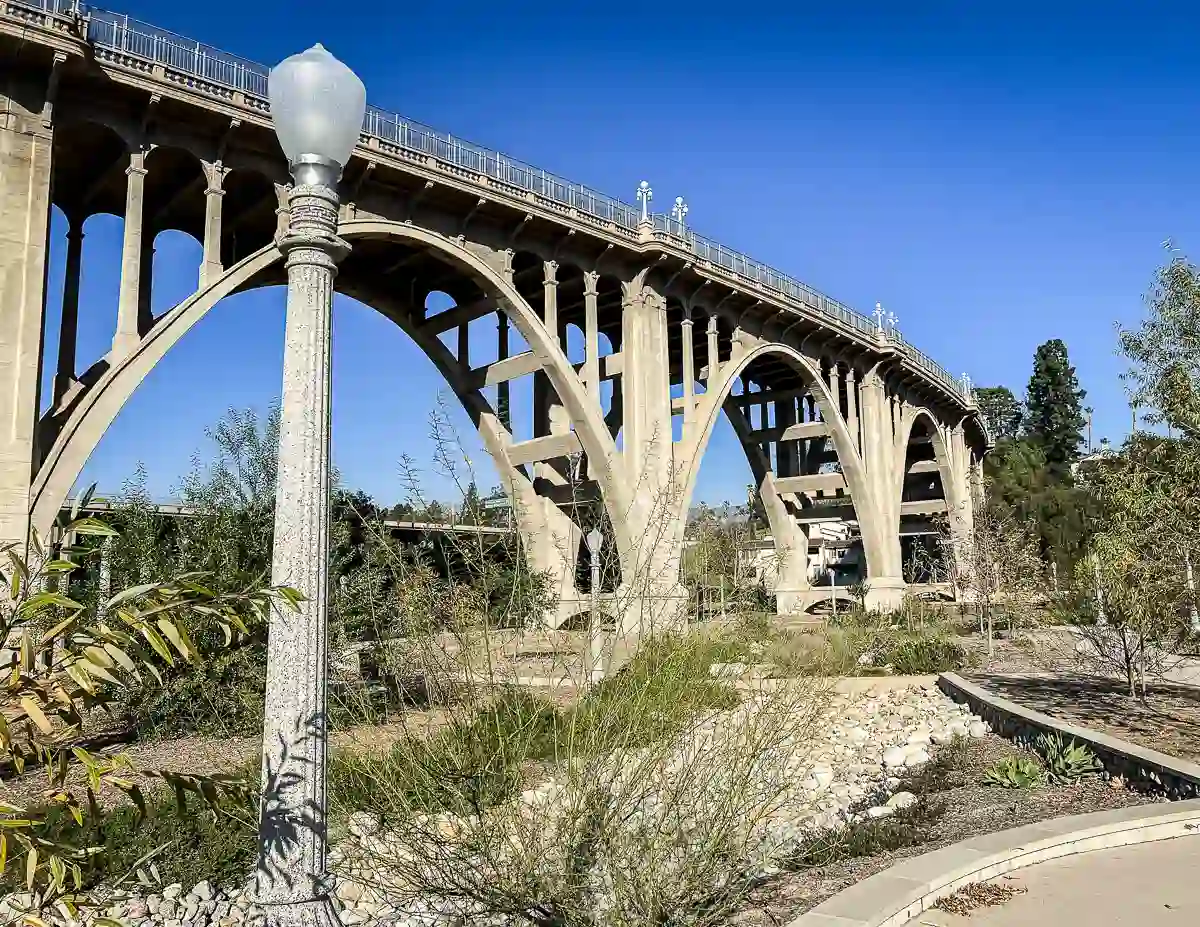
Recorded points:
(644, 196)
(679, 211)
(595, 544)
(317, 106)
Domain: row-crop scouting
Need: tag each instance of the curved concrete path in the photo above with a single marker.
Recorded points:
(1148, 885)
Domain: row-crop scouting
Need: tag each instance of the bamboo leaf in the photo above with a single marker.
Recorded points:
(3, 852)
(99, 656)
(80, 677)
(59, 629)
(172, 633)
(58, 872)
(131, 593)
(93, 527)
(31, 861)
(27, 650)
(34, 712)
(99, 672)
(121, 657)
(157, 643)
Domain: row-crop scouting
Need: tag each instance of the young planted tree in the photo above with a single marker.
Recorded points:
(999, 569)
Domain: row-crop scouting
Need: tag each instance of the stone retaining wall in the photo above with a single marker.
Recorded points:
(1140, 767)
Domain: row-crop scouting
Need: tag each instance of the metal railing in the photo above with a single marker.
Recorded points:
(118, 33)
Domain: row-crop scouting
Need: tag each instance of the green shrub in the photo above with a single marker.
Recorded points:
(905, 827)
(945, 770)
(920, 655)
(1067, 761)
(223, 697)
(194, 843)
(654, 696)
(475, 763)
(1014, 772)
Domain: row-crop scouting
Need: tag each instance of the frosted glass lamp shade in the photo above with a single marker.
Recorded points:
(317, 105)
(595, 542)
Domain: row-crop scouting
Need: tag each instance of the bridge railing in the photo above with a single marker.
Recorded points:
(119, 33)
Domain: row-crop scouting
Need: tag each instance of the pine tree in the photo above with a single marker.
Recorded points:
(1054, 418)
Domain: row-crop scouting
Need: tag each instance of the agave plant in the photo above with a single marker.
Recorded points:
(67, 662)
(1014, 772)
(1067, 761)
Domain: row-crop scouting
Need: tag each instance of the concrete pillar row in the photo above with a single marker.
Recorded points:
(130, 304)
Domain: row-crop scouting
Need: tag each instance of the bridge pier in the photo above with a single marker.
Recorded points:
(26, 149)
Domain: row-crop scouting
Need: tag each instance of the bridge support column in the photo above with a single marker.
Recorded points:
(651, 597)
(68, 330)
(214, 194)
(130, 306)
(879, 512)
(791, 583)
(26, 145)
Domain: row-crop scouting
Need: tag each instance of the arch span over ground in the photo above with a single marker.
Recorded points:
(708, 409)
(97, 407)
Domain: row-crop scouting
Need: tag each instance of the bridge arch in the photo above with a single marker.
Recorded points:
(85, 421)
(709, 406)
(919, 415)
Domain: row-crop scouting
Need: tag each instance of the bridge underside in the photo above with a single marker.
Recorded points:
(624, 344)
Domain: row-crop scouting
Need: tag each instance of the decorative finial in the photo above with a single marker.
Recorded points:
(645, 195)
(893, 324)
(879, 318)
(679, 210)
(966, 385)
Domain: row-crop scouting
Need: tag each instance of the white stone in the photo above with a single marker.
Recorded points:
(901, 800)
(893, 756)
(172, 891)
(363, 824)
(879, 811)
(203, 891)
(916, 758)
(977, 729)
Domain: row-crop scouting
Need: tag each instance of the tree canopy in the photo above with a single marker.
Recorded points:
(1003, 412)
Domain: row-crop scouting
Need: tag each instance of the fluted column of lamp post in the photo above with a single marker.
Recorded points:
(317, 106)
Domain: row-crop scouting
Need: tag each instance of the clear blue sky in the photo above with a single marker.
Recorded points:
(995, 174)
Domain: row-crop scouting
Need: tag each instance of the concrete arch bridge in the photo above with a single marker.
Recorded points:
(839, 416)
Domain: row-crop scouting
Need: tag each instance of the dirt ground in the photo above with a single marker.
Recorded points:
(1043, 678)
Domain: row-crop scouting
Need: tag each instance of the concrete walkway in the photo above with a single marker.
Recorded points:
(1149, 885)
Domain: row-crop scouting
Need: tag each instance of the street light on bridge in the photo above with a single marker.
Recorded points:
(644, 196)
(317, 106)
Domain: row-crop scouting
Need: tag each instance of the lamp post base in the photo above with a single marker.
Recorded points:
(311, 912)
